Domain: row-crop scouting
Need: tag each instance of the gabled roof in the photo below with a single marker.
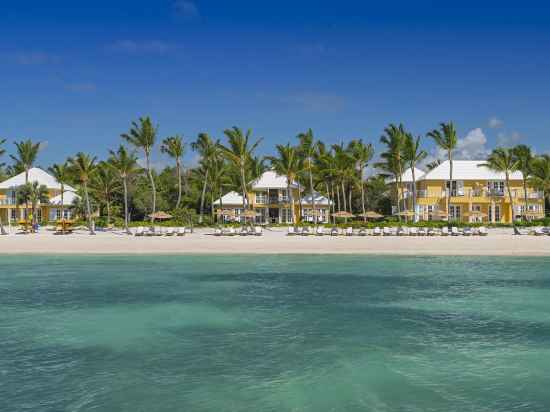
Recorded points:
(68, 199)
(407, 176)
(35, 175)
(467, 170)
(320, 200)
(271, 180)
(230, 199)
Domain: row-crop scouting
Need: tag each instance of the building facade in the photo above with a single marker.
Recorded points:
(12, 213)
(477, 195)
(269, 197)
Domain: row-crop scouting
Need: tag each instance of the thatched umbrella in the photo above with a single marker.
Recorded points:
(407, 213)
(371, 215)
(343, 214)
(160, 216)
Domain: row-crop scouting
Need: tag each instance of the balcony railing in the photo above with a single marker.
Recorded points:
(475, 193)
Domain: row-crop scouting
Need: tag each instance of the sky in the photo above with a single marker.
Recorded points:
(74, 75)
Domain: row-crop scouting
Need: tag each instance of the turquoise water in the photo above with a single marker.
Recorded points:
(274, 333)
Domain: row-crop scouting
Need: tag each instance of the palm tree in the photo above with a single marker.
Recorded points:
(540, 174)
(240, 153)
(307, 148)
(361, 154)
(61, 173)
(143, 136)
(446, 139)
(412, 155)
(175, 148)
(206, 149)
(104, 184)
(287, 164)
(503, 161)
(392, 159)
(83, 167)
(523, 155)
(34, 194)
(126, 165)
(27, 152)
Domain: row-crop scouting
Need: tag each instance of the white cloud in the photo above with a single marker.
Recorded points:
(145, 47)
(186, 8)
(508, 139)
(495, 122)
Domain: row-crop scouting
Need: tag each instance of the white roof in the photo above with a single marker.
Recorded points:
(35, 175)
(319, 200)
(230, 199)
(271, 180)
(467, 170)
(68, 198)
(407, 176)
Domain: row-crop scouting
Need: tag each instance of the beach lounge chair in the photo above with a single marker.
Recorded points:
(377, 232)
(320, 231)
(349, 231)
(291, 231)
(467, 231)
(232, 232)
(413, 231)
(258, 231)
(445, 231)
(180, 231)
(170, 231)
(431, 231)
(298, 230)
(422, 231)
(539, 231)
(306, 231)
(334, 231)
(387, 231)
(243, 231)
(402, 231)
(362, 232)
(483, 231)
(218, 232)
(455, 231)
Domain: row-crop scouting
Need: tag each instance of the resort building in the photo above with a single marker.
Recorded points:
(11, 212)
(269, 197)
(476, 193)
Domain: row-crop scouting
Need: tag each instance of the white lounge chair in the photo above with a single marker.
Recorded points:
(413, 231)
(180, 231)
(139, 231)
(243, 231)
(539, 231)
(376, 232)
(362, 232)
(349, 231)
(467, 231)
(445, 231)
(422, 231)
(455, 231)
(170, 231)
(402, 231)
(291, 231)
(306, 231)
(386, 231)
(218, 232)
(334, 231)
(320, 231)
(258, 231)
(483, 231)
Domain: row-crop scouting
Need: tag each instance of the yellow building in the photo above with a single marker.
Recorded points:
(477, 194)
(269, 197)
(12, 213)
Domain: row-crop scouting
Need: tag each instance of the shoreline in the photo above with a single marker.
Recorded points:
(500, 242)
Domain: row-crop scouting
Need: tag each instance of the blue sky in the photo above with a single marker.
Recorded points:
(76, 75)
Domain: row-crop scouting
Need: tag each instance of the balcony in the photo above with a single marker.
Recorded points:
(476, 193)
(7, 202)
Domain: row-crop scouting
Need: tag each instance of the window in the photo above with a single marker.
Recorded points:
(496, 212)
(496, 188)
(286, 215)
(431, 209)
(261, 198)
(13, 216)
(284, 195)
(454, 212)
(57, 214)
(456, 187)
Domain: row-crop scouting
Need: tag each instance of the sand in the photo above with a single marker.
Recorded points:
(500, 242)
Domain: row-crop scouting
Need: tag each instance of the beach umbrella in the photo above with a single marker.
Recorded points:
(225, 212)
(371, 215)
(407, 213)
(343, 214)
(250, 213)
(160, 216)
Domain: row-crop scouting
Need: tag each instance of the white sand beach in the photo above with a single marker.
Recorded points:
(500, 242)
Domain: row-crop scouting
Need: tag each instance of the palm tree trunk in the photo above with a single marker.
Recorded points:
(312, 196)
(363, 197)
(153, 187)
(350, 202)
(338, 198)
(108, 202)
(525, 199)
(450, 185)
(291, 197)
(511, 203)
(397, 197)
(414, 190)
(88, 209)
(62, 211)
(178, 171)
(243, 188)
(126, 223)
(203, 194)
